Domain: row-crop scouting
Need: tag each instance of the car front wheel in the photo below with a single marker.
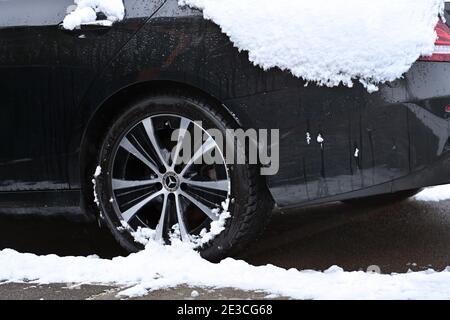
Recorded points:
(146, 193)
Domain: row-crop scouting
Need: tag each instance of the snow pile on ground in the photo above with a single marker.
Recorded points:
(329, 41)
(86, 13)
(439, 193)
(160, 267)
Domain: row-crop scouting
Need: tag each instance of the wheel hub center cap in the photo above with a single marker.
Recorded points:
(171, 182)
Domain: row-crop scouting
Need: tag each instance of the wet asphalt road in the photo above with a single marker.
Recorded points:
(395, 237)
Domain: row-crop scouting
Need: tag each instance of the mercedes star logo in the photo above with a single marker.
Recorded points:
(171, 181)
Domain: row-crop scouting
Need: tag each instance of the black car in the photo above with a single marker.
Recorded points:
(86, 118)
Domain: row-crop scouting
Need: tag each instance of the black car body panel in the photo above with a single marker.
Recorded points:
(62, 86)
(45, 74)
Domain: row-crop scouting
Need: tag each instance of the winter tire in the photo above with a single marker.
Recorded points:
(144, 194)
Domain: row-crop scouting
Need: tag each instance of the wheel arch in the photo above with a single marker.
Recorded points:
(112, 107)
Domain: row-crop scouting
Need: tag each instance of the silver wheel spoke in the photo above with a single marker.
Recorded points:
(221, 185)
(162, 219)
(126, 144)
(118, 184)
(205, 147)
(184, 124)
(148, 125)
(130, 213)
(207, 210)
(183, 231)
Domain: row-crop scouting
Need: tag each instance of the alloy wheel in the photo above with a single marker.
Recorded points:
(153, 190)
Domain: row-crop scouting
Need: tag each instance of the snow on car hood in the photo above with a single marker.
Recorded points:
(86, 11)
(329, 42)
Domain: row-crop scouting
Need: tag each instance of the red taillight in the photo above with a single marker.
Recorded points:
(442, 45)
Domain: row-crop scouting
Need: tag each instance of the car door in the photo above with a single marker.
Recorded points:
(44, 73)
(336, 141)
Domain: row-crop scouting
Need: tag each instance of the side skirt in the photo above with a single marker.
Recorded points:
(53, 202)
